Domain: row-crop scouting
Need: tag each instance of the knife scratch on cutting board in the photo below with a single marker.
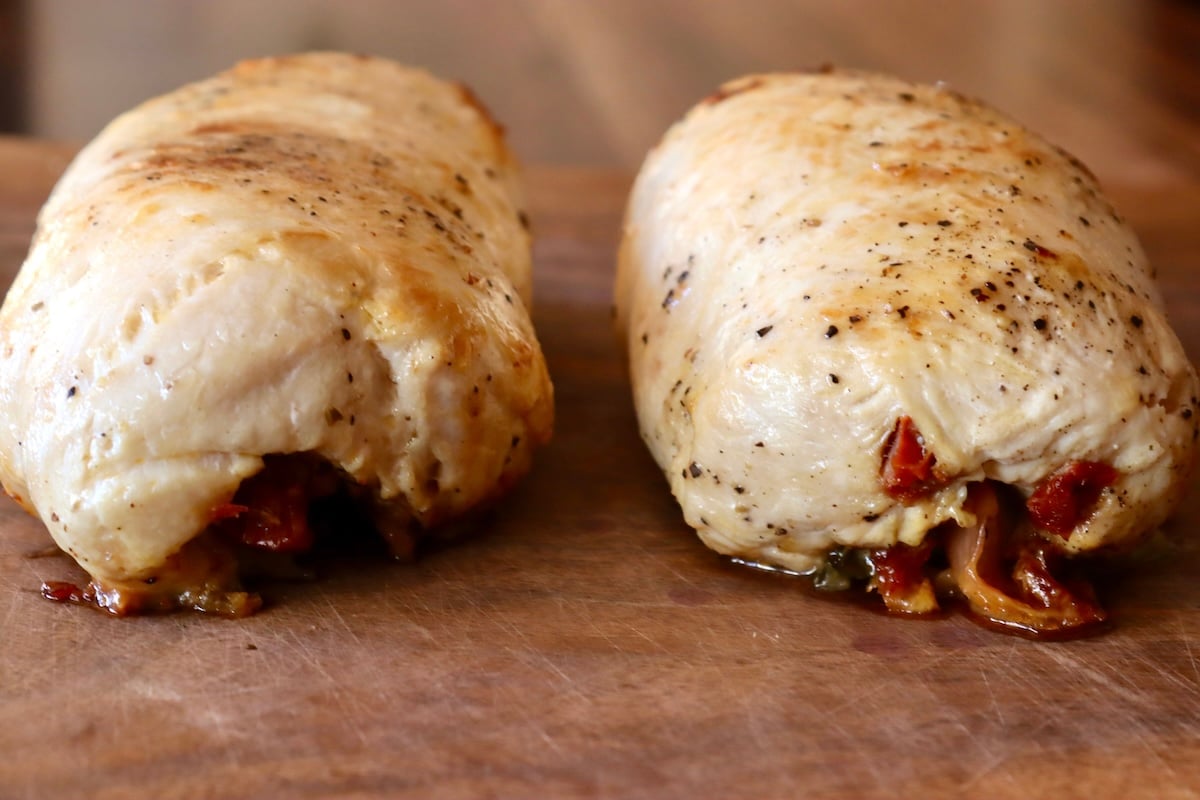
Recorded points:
(996, 763)
(331, 687)
(637, 631)
(212, 715)
(1187, 646)
(1081, 668)
(1132, 717)
(996, 707)
(1172, 672)
(333, 614)
(543, 662)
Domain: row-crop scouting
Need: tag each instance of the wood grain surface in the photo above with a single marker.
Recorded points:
(584, 644)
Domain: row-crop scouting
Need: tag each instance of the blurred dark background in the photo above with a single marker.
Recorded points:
(595, 82)
(12, 66)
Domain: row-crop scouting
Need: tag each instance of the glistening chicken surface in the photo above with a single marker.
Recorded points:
(320, 254)
(854, 306)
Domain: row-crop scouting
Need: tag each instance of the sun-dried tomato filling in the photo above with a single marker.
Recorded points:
(907, 472)
(1004, 569)
(1009, 576)
(898, 573)
(271, 516)
(1067, 497)
(270, 509)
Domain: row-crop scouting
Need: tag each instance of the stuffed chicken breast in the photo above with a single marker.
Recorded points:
(305, 278)
(878, 329)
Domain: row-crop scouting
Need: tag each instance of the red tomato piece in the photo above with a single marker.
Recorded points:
(1065, 498)
(907, 472)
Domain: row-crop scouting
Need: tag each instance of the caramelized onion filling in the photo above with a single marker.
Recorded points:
(1009, 581)
(999, 565)
(275, 515)
(1006, 573)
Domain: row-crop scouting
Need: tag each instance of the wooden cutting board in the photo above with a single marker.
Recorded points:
(585, 643)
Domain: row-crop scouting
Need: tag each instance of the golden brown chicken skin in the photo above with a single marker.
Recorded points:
(304, 276)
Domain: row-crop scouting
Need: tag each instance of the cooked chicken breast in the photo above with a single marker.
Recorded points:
(867, 318)
(315, 264)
